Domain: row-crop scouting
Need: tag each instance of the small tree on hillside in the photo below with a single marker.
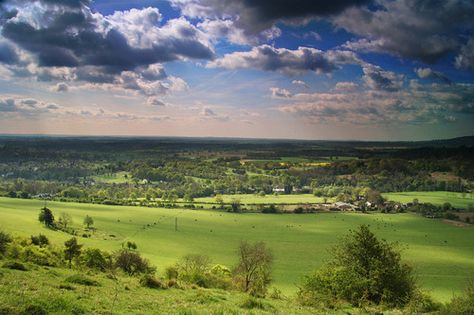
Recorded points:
(252, 273)
(88, 221)
(363, 269)
(46, 216)
(72, 250)
(65, 220)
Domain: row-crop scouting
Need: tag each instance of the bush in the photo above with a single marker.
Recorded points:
(39, 255)
(132, 263)
(363, 270)
(253, 302)
(14, 265)
(5, 239)
(421, 303)
(83, 280)
(151, 282)
(95, 259)
(39, 240)
(34, 309)
(171, 273)
(462, 305)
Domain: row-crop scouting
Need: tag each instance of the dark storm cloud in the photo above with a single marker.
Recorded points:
(417, 29)
(255, 16)
(66, 33)
(8, 54)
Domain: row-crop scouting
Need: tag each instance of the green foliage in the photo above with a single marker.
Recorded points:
(39, 240)
(171, 273)
(363, 270)
(132, 263)
(46, 216)
(82, 280)
(94, 258)
(252, 273)
(152, 282)
(72, 250)
(15, 265)
(5, 239)
(462, 304)
(88, 221)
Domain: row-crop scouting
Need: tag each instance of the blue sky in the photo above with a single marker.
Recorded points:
(346, 69)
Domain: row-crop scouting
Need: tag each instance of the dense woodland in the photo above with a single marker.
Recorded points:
(115, 169)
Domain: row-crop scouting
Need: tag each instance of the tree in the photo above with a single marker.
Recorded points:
(46, 216)
(188, 197)
(65, 219)
(88, 221)
(236, 205)
(132, 263)
(363, 269)
(252, 272)
(131, 245)
(40, 240)
(72, 250)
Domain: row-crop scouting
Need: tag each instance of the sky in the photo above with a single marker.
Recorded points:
(300, 69)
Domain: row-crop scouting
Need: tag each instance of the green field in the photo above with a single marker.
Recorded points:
(457, 200)
(443, 255)
(268, 199)
(114, 178)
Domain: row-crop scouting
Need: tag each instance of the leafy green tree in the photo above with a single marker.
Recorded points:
(235, 205)
(39, 240)
(88, 221)
(252, 273)
(65, 219)
(363, 269)
(132, 263)
(72, 250)
(46, 216)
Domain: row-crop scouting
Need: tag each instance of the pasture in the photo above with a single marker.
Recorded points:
(443, 255)
(458, 200)
(267, 199)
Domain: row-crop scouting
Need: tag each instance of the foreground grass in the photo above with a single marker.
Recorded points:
(23, 292)
(458, 200)
(443, 255)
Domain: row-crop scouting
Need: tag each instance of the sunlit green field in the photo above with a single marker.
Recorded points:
(114, 178)
(443, 255)
(275, 199)
(458, 200)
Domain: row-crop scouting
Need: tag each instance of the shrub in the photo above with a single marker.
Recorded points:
(363, 269)
(252, 273)
(95, 259)
(464, 304)
(39, 240)
(421, 303)
(34, 309)
(83, 280)
(193, 268)
(171, 272)
(5, 239)
(14, 265)
(39, 255)
(151, 282)
(252, 302)
(132, 263)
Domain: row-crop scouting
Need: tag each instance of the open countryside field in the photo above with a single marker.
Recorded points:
(443, 255)
(275, 199)
(458, 200)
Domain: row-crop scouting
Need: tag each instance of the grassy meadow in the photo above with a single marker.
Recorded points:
(267, 199)
(458, 200)
(443, 255)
